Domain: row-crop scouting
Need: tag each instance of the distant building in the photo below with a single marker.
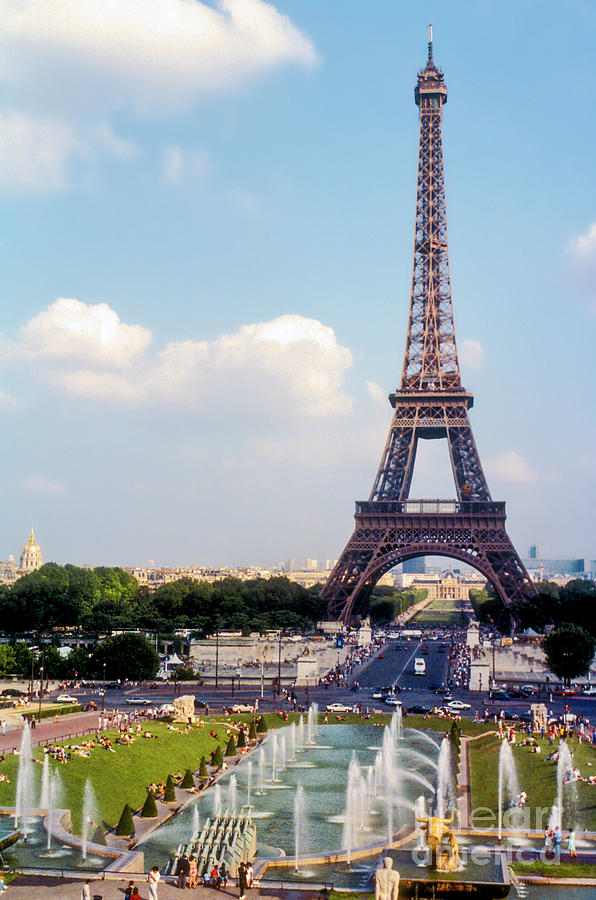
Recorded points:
(312, 565)
(416, 566)
(535, 552)
(31, 558)
(557, 566)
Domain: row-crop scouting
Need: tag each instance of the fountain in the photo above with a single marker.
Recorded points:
(24, 794)
(248, 783)
(261, 790)
(311, 725)
(299, 810)
(445, 789)
(293, 741)
(216, 801)
(282, 753)
(195, 822)
(232, 793)
(565, 775)
(508, 787)
(273, 757)
(54, 798)
(301, 734)
(90, 815)
(44, 800)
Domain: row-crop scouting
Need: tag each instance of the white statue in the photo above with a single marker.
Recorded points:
(386, 881)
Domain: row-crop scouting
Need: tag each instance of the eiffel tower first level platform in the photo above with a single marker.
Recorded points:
(431, 403)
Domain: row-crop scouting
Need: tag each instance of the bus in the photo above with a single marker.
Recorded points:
(419, 666)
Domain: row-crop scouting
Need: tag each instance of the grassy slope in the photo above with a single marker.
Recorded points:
(536, 776)
(551, 870)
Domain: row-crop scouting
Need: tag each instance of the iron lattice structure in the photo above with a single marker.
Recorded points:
(431, 403)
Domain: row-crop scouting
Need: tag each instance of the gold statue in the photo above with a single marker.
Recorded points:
(436, 832)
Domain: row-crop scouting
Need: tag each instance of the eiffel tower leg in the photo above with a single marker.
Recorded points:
(397, 465)
(469, 478)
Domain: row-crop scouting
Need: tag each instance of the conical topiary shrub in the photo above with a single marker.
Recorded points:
(125, 823)
(218, 757)
(241, 740)
(188, 781)
(149, 810)
(99, 836)
(262, 726)
(169, 795)
(252, 732)
(231, 748)
(203, 771)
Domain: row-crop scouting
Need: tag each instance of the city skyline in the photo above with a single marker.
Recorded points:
(207, 263)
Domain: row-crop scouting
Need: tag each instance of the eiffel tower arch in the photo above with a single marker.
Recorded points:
(431, 403)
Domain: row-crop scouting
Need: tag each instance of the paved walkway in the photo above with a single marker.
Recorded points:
(50, 729)
(34, 887)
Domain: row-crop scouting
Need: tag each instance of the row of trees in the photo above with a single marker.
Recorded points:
(386, 603)
(123, 656)
(573, 602)
(103, 599)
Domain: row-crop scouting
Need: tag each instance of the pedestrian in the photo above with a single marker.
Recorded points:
(153, 880)
(182, 870)
(242, 881)
(128, 891)
(571, 844)
(249, 874)
(557, 842)
(86, 890)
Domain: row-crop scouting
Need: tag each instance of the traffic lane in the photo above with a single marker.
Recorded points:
(384, 669)
(436, 669)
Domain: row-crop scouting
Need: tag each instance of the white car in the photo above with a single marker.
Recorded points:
(458, 704)
(589, 691)
(242, 708)
(138, 701)
(392, 701)
(66, 698)
(338, 708)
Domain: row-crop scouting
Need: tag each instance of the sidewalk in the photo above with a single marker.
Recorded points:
(50, 729)
(26, 887)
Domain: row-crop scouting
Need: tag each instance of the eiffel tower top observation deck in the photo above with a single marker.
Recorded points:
(430, 403)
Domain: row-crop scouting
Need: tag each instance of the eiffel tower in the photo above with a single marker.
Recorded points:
(431, 403)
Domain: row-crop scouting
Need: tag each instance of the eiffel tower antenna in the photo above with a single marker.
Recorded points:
(430, 403)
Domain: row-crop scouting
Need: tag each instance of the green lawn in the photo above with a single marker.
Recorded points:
(537, 778)
(551, 870)
(438, 617)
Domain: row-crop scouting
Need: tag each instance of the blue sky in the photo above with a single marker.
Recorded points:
(206, 230)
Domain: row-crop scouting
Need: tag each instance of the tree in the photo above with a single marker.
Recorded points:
(262, 725)
(99, 836)
(231, 748)
(128, 657)
(149, 810)
(8, 660)
(569, 651)
(241, 740)
(218, 757)
(188, 781)
(169, 794)
(126, 825)
(252, 732)
(203, 771)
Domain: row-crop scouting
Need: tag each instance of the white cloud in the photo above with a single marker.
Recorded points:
(67, 66)
(113, 144)
(6, 401)
(377, 394)
(38, 484)
(180, 164)
(471, 354)
(581, 253)
(511, 468)
(151, 55)
(284, 369)
(35, 152)
(73, 332)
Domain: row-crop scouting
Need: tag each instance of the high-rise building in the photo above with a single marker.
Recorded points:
(415, 566)
(31, 558)
(535, 552)
(311, 565)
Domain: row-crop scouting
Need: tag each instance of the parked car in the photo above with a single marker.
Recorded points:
(390, 700)
(202, 704)
(418, 710)
(500, 695)
(242, 708)
(565, 692)
(338, 708)
(138, 701)
(589, 690)
(529, 689)
(66, 698)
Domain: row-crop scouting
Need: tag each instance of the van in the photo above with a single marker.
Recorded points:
(419, 666)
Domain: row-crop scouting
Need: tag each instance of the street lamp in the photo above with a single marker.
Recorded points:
(40, 693)
(217, 657)
(103, 693)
